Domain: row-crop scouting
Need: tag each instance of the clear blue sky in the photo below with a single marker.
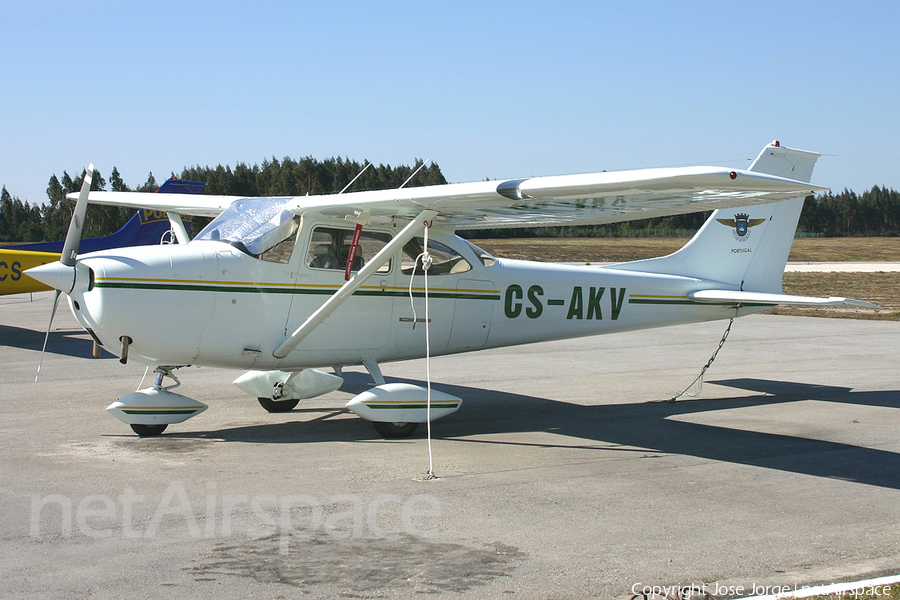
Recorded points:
(485, 89)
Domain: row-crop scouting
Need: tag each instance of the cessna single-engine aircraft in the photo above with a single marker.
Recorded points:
(144, 227)
(283, 287)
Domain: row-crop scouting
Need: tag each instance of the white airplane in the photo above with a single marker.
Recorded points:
(284, 287)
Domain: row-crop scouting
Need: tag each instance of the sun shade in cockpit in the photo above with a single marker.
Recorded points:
(257, 223)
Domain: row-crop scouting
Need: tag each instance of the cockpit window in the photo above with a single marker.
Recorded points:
(485, 257)
(329, 248)
(280, 252)
(253, 225)
(445, 260)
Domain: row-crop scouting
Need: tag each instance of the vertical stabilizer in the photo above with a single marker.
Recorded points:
(777, 160)
(745, 248)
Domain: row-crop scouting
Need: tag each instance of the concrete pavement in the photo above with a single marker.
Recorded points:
(560, 477)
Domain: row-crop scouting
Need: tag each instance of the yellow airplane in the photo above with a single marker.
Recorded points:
(13, 263)
(146, 227)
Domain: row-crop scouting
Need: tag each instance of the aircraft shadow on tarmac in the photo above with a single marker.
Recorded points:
(66, 342)
(633, 428)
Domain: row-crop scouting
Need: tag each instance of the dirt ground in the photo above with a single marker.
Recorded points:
(624, 249)
(882, 289)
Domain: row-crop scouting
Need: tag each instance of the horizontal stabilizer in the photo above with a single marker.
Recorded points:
(736, 296)
(173, 185)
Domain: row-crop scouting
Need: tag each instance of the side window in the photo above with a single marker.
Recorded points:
(329, 248)
(280, 252)
(486, 259)
(445, 260)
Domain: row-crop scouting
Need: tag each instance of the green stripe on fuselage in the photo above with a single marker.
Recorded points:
(152, 411)
(407, 406)
(688, 301)
(189, 287)
(661, 301)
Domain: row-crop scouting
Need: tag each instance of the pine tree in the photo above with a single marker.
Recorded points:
(115, 182)
(6, 215)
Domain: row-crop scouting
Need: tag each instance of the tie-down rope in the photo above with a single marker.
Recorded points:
(426, 264)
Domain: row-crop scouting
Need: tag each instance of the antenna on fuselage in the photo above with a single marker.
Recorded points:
(352, 181)
(416, 172)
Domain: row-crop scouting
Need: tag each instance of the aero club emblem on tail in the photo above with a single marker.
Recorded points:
(742, 224)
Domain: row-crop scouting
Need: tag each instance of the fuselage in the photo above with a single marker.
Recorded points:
(210, 303)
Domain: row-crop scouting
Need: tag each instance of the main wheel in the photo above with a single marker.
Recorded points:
(148, 430)
(394, 430)
(279, 406)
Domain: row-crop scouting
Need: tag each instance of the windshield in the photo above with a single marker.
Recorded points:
(254, 224)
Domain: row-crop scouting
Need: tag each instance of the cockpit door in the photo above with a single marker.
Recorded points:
(472, 314)
(362, 322)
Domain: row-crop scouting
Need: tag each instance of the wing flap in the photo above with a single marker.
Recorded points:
(736, 296)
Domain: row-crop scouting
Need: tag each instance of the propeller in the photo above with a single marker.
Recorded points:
(61, 275)
(76, 225)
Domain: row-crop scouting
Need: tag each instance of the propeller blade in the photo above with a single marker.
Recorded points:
(70, 250)
(76, 225)
(47, 335)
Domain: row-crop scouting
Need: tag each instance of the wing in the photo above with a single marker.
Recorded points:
(200, 205)
(539, 201)
(728, 222)
(568, 200)
(751, 222)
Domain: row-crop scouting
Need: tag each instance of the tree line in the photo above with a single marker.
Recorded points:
(873, 213)
(24, 222)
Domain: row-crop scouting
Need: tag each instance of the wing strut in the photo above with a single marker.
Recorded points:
(178, 229)
(414, 228)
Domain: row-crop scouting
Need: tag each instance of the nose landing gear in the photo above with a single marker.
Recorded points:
(149, 411)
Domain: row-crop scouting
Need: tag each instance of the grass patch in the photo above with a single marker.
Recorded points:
(862, 249)
(881, 288)
(583, 250)
(859, 249)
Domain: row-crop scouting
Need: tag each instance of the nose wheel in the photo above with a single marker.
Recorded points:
(278, 406)
(148, 430)
(394, 430)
